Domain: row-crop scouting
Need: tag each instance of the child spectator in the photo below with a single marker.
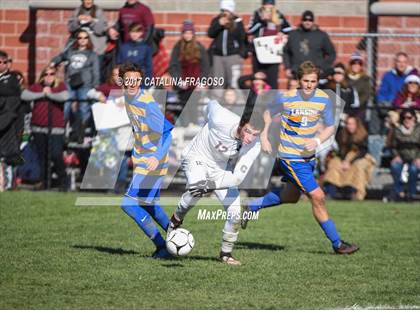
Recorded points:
(48, 96)
(228, 46)
(136, 51)
(360, 81)
(351, 168)
(188, 59)
(134, 12)
(81, 75)
(90, 18)
(267, 21)
(404, 141)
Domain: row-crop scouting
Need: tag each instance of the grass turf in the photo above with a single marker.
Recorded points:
(55, 255)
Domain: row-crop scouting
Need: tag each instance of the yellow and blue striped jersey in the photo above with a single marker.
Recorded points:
(300, 119)
(152, 133)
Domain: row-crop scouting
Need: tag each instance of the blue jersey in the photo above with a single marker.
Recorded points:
(152, 134)
(300, 120)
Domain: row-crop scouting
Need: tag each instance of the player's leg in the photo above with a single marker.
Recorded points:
(195, 171)
(232, 204)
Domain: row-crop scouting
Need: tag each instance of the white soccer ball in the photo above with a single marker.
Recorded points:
(180, 242)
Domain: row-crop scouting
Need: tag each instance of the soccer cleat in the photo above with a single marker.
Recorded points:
(346, 248)
(161, 253)
(228, 259)
(245, 219)
(174, 223)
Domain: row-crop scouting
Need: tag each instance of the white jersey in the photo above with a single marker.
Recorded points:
(216, 144)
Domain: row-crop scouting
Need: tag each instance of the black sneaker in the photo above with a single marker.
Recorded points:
(346, 248)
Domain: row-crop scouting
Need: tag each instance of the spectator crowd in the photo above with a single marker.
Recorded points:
(41, 125)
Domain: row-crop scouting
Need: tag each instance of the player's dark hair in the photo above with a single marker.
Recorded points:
(129, 67)
(3, 54)
(401, 54)
(252, 117)
(307, 67)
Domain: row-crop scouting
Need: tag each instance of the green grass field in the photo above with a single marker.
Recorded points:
(55, 255)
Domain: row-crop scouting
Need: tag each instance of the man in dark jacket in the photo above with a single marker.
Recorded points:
(308, 42)
(10, 121)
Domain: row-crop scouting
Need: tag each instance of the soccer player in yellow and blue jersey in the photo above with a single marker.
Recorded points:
(152, 136)
(307, 120)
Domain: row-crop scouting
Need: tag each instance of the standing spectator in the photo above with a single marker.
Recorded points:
(352, 167)
(267, 21)
(308, 42)
(10, 123)
(228, 46)
(188, 60)
(48, 96)
(81, 75)
(257, 84)
(393, 80)
(90, 18)
(109, 58)
(103, 92)
(136, 51)
(405, 144)
(360, 81)
(134, 12)
(343, 90)
(410, 94)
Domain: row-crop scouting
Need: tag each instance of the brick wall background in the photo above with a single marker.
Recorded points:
(52, 34)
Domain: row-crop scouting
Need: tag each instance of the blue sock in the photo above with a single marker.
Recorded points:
(143, 220)
(269, 200)
(331, 232)
(159, 215)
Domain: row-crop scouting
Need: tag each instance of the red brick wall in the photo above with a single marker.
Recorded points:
(51, 34)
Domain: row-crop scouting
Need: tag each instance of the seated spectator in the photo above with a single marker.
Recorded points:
(188, 59)
(409, 97)
(405, 166)
(136, 51)
(81, 75)
(134, 12)
(102, 92)
(10, 122)
(228, 46)
(109, 58)
(48, 96)
(360, 81)
(267, 21)
(90, 18)
(393, 80)
(350, 170)
(308, 42)
(343, 90)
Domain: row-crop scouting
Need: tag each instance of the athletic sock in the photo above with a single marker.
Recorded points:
(269, 200)
(159, 215)
(331, 232)
(143, 220)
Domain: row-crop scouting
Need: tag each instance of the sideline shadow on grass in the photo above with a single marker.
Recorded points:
(114, 251)
(259, 246)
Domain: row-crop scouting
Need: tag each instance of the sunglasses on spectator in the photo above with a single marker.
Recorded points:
(308, 20)
(413, 83)
(3, 62)
(82, 38)
(49, 74)
(353, 62)
(408, 117)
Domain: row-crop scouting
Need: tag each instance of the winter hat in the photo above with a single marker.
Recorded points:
(356, 57)
(308, 15)
(227, 5)
(339, 68)
(412, 78)
(273, 2)
(187, 25)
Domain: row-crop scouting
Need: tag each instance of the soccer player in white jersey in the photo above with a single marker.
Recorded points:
(207, 166)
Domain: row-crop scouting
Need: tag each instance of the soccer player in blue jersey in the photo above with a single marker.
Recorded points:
(301, 112)
(152, 135)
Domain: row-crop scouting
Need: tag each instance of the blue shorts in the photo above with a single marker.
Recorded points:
(145, 188)
(300, 173)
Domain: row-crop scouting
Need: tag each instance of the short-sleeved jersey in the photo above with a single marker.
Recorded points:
(300, 120)
(151, 130)
(216, 142)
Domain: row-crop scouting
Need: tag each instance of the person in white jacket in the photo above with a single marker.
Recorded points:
(208, 165)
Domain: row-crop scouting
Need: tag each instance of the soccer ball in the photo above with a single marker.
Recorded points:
(180, 242)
